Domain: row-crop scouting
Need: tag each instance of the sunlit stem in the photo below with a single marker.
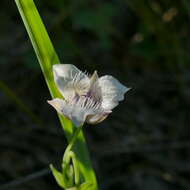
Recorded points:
(73, 139)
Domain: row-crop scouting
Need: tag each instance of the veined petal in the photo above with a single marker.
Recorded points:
(94, 88)
(74, 112)
(68, 79)
(93, 79)
(112, 91)
(97, 118)
(58, 104)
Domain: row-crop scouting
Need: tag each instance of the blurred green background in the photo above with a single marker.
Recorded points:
(144, 144)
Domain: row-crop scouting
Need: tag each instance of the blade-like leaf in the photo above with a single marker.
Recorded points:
(58, 177)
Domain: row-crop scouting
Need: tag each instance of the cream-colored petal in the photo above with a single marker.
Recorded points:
(112, 91)
(68, 79)
(93, 79)
(74, 112)
(58, 104)
(94, 88)
(97, 118)
(66, 71)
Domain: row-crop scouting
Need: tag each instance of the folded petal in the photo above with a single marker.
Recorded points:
(97, 118)
(68, 79)
(112, 91)
(75, 113)
(94, 90)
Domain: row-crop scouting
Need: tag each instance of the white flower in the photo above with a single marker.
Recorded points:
(86, 98)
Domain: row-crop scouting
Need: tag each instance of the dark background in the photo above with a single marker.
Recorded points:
(144, 144)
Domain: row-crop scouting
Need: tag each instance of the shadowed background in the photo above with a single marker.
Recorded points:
(144, 143)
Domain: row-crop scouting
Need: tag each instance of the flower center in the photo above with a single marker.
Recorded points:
(87, 93)
(86, 101)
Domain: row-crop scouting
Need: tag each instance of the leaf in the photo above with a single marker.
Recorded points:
(58, 177)
(86, 186)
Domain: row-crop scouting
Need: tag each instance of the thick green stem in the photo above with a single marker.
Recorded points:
(47, 57)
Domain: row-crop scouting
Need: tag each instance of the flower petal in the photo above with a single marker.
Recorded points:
(97, 118)
(75, 113)
(112, 91)
(68, 78)
(93, 79)
(94, 90)
(58, 104)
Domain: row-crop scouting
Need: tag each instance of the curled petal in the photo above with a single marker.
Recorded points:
(58, 104)
(112, 91)
(68, 79)
(93, 79)
(75, 113)
(94, 119)
(94, 90)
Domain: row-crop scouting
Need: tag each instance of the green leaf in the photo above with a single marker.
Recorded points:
(58, 177)
(86, 186)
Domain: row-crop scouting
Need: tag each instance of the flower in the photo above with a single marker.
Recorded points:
(86, 98)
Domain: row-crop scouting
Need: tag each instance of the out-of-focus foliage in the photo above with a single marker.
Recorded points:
(145, 143)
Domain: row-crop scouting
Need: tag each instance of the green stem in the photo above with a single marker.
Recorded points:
(47, 57)
(73, 139)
